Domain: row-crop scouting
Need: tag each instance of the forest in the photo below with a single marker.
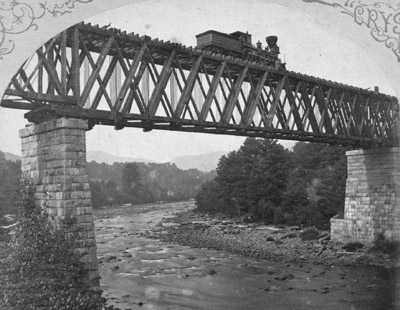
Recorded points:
(138, 183)
(10, 172)
(264, 182)
(260, 182)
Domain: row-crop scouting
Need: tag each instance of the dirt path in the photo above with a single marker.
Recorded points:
(142, 273)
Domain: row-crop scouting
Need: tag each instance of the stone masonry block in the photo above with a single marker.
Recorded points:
(83, 178)
(72, 139)
(54, 158)
(71, 147)
(84, 219)
(60, 123)
(72, 123)
(372, 195)
(80, 186)
(80, 195)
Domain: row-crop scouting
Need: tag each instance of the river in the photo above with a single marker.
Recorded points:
(142, 273)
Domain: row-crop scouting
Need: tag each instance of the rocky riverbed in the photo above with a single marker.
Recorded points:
(165, 256)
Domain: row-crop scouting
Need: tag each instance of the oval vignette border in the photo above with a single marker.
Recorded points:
(17, 17)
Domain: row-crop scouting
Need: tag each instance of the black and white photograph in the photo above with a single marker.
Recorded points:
(199, 155)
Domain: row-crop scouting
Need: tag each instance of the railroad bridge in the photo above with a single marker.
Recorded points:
(90, 75)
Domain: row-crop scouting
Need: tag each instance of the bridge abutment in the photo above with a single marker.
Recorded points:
(54, 162)
(372, 197)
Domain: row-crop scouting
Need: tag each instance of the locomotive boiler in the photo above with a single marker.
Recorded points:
(238, 44)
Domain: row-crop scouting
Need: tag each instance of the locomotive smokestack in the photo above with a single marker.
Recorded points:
(271, 40)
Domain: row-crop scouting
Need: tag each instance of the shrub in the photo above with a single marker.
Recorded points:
(310, 233)
(383, 245)
(42, 271)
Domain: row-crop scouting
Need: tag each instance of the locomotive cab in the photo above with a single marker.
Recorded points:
(243, 37)
(233, 43)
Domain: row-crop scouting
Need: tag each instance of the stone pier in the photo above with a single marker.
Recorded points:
(372, 204)
(54, 161)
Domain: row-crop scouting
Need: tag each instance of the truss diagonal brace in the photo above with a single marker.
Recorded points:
(187, 91)
(276, 96)
(129, 77)
(211, 92)
(255, 99)
(50, 68)
(309, 107)
(323, 107)
(294, 107)
(159, 88)
(232, 99)
(96, 72)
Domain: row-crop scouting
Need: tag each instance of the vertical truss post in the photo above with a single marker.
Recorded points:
(63, 55)
(52, 77)
(393, 120)
(146, 87)
(40, 76)
(76, 64)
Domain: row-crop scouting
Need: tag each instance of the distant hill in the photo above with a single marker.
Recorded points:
(11, 157)
(203, 162)
(102, 157)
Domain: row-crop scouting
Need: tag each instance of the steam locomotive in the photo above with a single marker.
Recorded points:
(238, 44)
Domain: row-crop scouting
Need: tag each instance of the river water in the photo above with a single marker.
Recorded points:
(142, 273)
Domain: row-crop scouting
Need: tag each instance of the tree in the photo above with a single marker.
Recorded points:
(131, 177)
(256, 172)
(210, 199)
(270, 184)
(98, 196)
(316, 185)
(42, 270)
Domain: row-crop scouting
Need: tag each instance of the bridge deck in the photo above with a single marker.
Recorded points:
(114, 78)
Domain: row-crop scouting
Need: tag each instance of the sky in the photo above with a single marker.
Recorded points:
(308, 47)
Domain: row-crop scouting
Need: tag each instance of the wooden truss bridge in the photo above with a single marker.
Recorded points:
(113, 78)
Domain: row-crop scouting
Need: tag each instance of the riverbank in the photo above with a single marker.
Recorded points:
(169, 257)
(288, 244)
